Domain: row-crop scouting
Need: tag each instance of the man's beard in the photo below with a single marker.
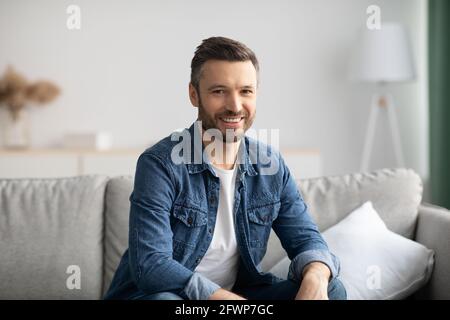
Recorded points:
(230, 135)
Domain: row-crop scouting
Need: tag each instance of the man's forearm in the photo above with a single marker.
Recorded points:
(318, 269)
(222, 294)
(314, 285)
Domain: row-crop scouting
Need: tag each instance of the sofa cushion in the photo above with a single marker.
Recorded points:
(395, 194)
(51, 238)
(376, 263)
(117, 212)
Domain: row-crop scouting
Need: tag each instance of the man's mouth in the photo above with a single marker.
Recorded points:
(231, 120)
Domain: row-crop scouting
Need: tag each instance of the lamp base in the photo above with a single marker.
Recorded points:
(382, 101)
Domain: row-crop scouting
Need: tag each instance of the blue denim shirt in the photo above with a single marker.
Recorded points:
(173, 210)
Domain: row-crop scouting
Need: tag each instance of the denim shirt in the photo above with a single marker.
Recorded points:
(173, 208)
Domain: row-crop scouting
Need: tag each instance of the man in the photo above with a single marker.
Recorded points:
(200, 221)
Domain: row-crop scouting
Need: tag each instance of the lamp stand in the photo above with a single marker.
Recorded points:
(381, 101)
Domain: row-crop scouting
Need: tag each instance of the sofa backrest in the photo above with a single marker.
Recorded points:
(51, 238)
(395, 194)
(117, 210)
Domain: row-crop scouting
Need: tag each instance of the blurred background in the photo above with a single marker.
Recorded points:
(121, 78)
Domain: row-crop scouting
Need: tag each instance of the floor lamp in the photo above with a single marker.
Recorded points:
(382, 56)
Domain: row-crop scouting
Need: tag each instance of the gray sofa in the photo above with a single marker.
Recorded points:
(57, 231)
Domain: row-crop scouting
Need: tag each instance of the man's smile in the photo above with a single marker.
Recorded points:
(231, 121)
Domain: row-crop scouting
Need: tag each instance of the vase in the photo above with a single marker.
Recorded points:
(16, 130)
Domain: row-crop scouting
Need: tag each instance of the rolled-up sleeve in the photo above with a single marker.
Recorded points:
(199, 287)
(302, 259)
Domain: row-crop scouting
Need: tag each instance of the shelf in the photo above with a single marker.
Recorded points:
(60, 162)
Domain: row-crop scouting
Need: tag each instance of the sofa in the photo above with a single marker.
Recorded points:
(63, 238)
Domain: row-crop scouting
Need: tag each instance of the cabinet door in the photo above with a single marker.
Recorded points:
(109, 164)
(38, 166)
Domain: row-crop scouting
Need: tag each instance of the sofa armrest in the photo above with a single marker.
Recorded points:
(433, 231)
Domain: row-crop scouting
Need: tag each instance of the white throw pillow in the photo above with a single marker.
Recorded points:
(376, 263)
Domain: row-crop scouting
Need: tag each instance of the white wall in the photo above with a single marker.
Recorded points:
(126, 71)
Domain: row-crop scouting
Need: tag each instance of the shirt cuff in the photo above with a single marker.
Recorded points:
(199, 287)
(304, 258)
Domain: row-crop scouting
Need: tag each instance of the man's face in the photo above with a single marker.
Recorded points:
(227, 97)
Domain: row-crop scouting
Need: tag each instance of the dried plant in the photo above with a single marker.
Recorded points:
(16, 92)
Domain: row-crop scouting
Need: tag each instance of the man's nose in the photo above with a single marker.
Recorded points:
(234, 103)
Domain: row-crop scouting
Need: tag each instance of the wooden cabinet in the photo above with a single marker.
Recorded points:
(50, 163)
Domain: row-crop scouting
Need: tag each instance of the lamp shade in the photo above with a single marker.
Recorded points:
(383, 55)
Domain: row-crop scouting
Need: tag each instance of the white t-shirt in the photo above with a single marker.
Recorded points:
(221, 260)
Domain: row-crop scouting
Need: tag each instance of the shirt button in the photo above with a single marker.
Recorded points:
(198, 260)
(212, 200)
(210, 230)
(189, 220)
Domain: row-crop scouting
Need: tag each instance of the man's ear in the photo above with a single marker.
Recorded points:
(193, 95)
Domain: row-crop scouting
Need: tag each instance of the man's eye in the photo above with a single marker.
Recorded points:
(246, 92)
(219, 91)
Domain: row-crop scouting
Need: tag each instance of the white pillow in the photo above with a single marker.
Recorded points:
(376, 263)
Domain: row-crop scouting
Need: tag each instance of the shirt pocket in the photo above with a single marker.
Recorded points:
(188, 224)
(260, 222)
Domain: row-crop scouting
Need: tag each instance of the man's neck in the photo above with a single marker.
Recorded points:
(229, 152)
(225, 154)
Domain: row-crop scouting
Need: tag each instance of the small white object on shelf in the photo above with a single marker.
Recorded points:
(95, 140)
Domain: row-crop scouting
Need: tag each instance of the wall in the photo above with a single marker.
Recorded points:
(126, 71)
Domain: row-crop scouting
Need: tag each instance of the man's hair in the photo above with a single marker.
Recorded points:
(219, 48)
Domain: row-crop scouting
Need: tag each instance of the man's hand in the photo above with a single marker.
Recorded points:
(314, 286)
(222, 294)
